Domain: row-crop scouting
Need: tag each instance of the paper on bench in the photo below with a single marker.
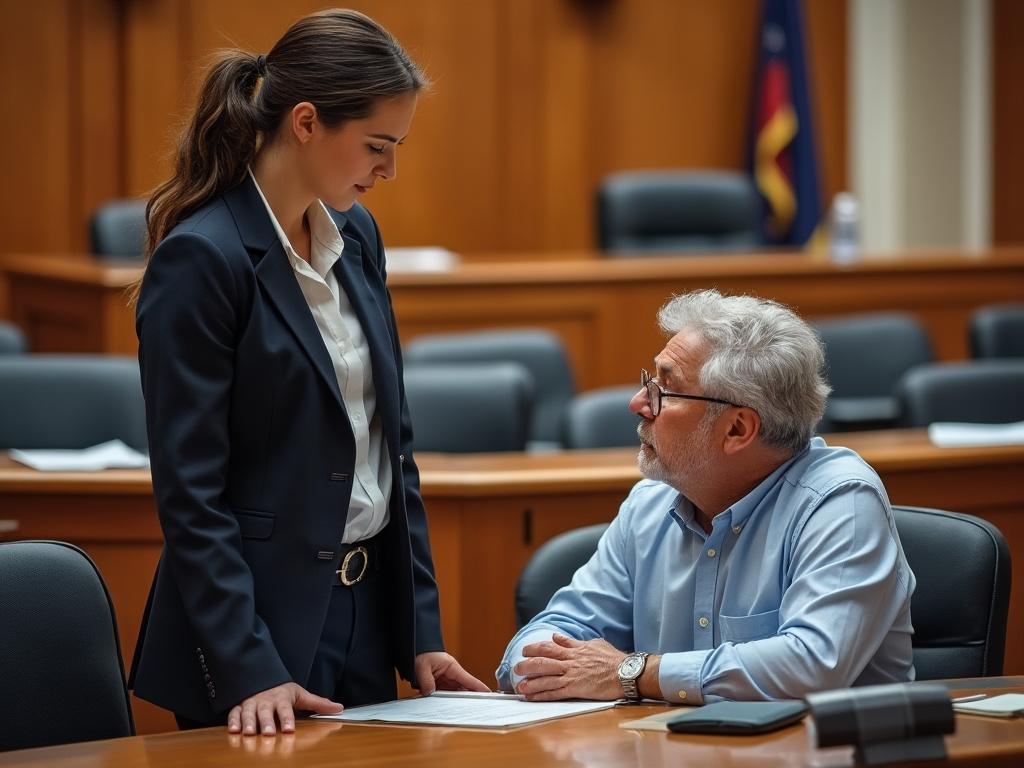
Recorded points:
(112, 454)
(466, 709)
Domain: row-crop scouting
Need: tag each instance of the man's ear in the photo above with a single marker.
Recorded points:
(303, 121)
(744, 427)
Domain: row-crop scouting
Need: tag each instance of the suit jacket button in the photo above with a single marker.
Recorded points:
(401, 458)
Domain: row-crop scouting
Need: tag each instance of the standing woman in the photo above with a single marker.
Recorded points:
(296, 571)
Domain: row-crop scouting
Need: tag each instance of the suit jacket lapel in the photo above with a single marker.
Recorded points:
(355, 279)
(278, 279)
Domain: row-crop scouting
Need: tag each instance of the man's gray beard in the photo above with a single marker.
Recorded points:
(693, 465)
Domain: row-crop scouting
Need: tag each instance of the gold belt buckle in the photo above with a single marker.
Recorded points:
(343, 573)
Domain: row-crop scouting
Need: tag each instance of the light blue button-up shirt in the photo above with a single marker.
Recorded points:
(801, 586)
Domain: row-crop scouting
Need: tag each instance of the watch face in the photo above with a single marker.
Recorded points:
(631, 666)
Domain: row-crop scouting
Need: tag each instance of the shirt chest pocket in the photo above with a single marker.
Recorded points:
(743, 629)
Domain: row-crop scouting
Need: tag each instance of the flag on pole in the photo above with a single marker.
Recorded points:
(783, 159)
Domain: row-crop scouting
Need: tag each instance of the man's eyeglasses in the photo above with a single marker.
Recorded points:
(655, 392)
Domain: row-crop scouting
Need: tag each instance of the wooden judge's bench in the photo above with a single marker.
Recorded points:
(602, 308)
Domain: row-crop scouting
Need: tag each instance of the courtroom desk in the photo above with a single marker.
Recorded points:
(488, 513)
(604, 309)
(593, 740)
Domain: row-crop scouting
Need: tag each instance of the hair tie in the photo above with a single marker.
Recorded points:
(261, 65)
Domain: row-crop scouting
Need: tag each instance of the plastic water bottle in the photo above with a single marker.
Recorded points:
(845, 242)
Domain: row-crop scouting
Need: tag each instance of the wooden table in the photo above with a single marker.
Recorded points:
(488, 513)
(592, 740)
(603, 309)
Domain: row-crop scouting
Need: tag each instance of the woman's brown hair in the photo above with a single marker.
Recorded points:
(339, 60)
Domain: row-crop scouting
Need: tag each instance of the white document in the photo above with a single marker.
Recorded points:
(467, 709)
(1006, 705)
(113, 454)
(949, 434)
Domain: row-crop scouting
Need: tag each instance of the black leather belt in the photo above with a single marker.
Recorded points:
(359, 560)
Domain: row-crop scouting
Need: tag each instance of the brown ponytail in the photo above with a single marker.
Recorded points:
(339, 60)
(215, 148)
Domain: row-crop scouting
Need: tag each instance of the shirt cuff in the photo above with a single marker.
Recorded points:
(507, 679)
(679, 677)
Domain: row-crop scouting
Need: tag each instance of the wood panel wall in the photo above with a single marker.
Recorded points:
(534, 101)
(1007, 121)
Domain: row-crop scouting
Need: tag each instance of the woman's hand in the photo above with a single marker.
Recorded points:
(438, 669)
(280, 702)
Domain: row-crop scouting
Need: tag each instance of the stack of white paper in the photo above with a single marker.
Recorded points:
(425, 259)
(113, 454)
(1006, 705)
(952, 434)
(467, 709)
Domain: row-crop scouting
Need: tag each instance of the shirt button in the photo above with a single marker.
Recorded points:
(712, 552)
(737, 528)
(703, 621)
(682, 695)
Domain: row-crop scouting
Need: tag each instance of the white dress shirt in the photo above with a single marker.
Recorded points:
(350, 356)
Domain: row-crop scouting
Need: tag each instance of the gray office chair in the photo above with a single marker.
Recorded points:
(601, 419)
(865, 355)
(118, 228)
(997, 331)
(960, 605)
(60, 659)
(980, 392)
(469, 408)
(552, 567)
(12, 340)
(70, 401)
(539, 351)
(643, 212)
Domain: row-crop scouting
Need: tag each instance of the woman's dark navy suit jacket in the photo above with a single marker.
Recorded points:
(252, 458)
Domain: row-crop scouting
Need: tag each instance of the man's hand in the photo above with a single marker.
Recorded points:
(564, 668)
(438, 669)
(280, 702)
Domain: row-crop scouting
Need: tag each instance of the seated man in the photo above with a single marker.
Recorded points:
(755, 562)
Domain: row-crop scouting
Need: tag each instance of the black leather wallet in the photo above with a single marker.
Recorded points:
(738, 718)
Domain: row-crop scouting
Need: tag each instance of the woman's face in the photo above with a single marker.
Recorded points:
(342, 163)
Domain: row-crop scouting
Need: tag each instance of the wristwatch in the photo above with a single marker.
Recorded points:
(630, 670)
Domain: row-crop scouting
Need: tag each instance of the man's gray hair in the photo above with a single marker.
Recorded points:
(759, 354)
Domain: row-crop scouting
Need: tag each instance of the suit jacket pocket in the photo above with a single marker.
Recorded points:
(253, 523)
(743, 629)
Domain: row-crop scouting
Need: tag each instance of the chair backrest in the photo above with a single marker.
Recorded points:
(60, 661)
(539, 351)
(12, 340)
(601, 419)
(980, 392)
(865, 355)
(118, 228)
(70, 401)
(552, 567)
(959, 608)
(469, 408)
(997, 331)
(677, 211)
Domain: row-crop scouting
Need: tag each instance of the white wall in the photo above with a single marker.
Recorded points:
(920, 148)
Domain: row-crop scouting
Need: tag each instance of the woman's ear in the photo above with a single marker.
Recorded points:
(303, 121)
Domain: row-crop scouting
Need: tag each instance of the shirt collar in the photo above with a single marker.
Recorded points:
(684, 511)
(742, 509)
(325, 238)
